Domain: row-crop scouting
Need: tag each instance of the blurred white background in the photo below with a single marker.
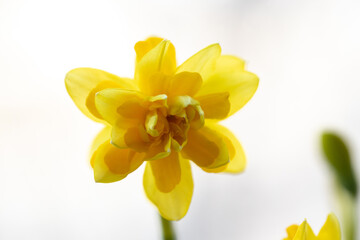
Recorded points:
(306, 53)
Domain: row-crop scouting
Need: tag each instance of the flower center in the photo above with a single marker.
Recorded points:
(170, 119)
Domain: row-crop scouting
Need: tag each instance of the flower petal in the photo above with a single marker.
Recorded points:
(202, 62)
(143, 47)
(237, 156)
(125, 111)
(215, 106)
(179, 103)
(304, 232)
(331, 229)
(291, 231)
(154, 66)
(118, 136)
(174, 204)
(184, 83)
(115, 103)
(206, 148)
(100, 138)
(159, 150)
(83, 83)
(136, 138)
(112, 164)
(228, 63)
(240, 85)
(167, 172)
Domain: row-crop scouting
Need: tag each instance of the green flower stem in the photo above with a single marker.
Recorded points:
(167, 229)
(348, 208)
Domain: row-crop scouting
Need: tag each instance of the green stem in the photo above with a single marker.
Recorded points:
(348, 207)
(349, 212)
(167, 229)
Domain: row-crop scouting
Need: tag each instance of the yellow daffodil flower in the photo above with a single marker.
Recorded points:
(166, 116)
(330, 231)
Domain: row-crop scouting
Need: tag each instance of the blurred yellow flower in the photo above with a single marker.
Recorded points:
(166, 115)
(330, 231)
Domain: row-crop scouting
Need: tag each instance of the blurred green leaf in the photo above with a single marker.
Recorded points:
(338, 157)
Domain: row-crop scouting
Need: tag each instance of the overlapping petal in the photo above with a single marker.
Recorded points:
(215, 105)
(101, 137)
(115, 103)
(172, 205)
(160, 149)
(331, 229)
(203, 62)
(237, 156)
(240, 85)
(167, 172)
(291, 231)
(152, 70)
(228, 63)
(110, 163)
(206, 148)
(184, 83)
(83, 83)
(125, 111)
(143, 47)
(304, 232)
(135, 138)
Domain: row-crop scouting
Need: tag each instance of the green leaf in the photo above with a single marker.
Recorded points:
(337, 155)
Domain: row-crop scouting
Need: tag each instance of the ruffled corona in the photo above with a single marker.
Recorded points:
(165, 116)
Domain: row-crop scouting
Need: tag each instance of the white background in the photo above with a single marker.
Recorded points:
(306, 53)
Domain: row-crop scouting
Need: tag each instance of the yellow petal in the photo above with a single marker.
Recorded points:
(118, 136)
(114, 104)
(143, 47)
(179, 103)
(101, 137)
(185, 83)
(228, 63)
(202, 62)
(160, 149)
(237, 156)
(112, 164)
(304, 232)
(154, 66)
(291, 231)
(156, 122)
(175, 204)
(136, 138)
(206, 148)
(331, 229)
(224, 64)
(133, 137)
(166, 172)
(83, 83)
(151, 122)
(240, 85)
(215, 106)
